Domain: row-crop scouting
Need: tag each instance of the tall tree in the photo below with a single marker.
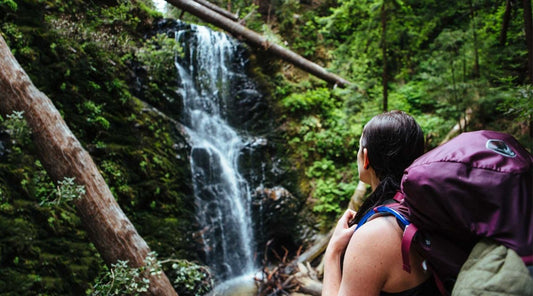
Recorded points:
(474, 35)
(384, 15)
(505, 22)
(528, 26)
(62, 155)
(385, 74)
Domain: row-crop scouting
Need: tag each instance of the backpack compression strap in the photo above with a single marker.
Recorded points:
(408, 234)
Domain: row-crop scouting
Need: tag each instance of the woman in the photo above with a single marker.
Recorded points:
(369, 261)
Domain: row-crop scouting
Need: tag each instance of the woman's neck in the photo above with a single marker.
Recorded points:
(374, 181)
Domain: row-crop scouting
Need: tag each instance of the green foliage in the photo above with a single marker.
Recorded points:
(94, 112)
(435, 128)
(308, 47)
(249, 12)
(123, 279)
(20, 43)
(323, 139)
(519, 103)
(317, 100)
(286, 14)
(15, 125)
(66, 191)
(333, 196)
(321, 168)
(81, 56)
(157, 55)
(189, 278)
(120, 15)
(84, 65)
(11, 4)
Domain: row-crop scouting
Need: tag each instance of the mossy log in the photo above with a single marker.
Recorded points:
(62, 155)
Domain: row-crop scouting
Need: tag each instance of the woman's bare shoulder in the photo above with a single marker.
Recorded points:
(383, 228)
(372, 250)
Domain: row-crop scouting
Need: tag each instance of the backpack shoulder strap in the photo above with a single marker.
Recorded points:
(409, 232)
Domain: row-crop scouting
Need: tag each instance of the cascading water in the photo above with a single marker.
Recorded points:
(207, 71)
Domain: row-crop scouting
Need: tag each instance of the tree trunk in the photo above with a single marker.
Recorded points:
(219, 10)
(257, 40)
(113, 235)
(505, 22)
(528, 24)
(474, 33)
(384, 79)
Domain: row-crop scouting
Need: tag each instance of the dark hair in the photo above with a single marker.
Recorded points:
(393, 141)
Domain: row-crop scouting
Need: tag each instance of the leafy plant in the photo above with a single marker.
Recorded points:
(157, 55)
(316, 100)
(95, 113)
(190, 279)
(15, 125)
(9, 3)
(123, 279)
(519, 104)
(332, 197)
(66, 191)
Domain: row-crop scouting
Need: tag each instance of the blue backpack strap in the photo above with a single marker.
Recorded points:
(408, 234)
(383, 209)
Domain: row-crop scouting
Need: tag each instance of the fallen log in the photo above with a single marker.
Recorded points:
(62, 155)
(219, 10)
(459, 127)
(257, 40)
(357, 198)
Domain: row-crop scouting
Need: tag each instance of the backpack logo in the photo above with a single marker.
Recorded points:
(500, 147)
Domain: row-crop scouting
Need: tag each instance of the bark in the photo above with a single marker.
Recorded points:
(257, 40)
(62, 155)
(308, 281)
(474, 32)
(219, 10)
(528, 26)
(358, 196)
(505, 22)
(384, 79)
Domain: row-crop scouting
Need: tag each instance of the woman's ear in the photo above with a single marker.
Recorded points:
(366, 163)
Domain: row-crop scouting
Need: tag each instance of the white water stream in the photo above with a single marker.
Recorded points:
(222, 196)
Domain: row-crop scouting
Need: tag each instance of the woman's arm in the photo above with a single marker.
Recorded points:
(333, 256)
(368, 260)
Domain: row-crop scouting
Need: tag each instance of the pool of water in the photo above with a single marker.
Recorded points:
(240, 286)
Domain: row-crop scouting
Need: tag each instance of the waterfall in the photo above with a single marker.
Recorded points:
(207, 71)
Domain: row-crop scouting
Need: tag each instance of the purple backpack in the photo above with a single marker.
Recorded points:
(479, 184)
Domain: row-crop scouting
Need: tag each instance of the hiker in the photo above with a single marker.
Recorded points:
(368, 261)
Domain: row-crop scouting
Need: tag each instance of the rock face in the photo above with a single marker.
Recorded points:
(277, 217)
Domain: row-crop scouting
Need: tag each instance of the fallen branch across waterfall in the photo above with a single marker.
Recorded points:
(256, 40)
(217, 9)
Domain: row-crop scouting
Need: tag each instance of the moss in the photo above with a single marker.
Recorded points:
(46, 250)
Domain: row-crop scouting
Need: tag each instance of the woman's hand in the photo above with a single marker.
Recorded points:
(336, 247)
(342, 233)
